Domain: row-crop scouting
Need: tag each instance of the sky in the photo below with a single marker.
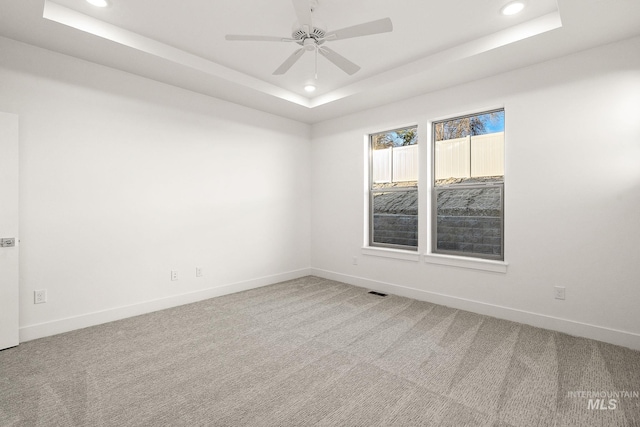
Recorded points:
(496, 125)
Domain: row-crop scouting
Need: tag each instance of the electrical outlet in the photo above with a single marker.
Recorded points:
(559, 292)
(40, 296)
(198, 271)
(174, 274)
(355, 260)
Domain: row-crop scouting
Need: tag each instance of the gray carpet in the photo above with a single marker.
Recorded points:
(316, 352)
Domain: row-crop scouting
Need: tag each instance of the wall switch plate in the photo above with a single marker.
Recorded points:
(174, 274)
(198, 271)
(559, 292)
(40, 296)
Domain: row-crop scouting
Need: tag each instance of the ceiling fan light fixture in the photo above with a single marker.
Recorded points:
(512, 8)
(98, 3)
(309, 88)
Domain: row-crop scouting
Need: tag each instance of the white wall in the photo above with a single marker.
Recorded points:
(572, 209)
(123, 179)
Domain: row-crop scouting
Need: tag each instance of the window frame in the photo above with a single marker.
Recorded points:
(434, 199)
(378, 245)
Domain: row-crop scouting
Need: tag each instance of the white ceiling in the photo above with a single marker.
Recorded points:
(434, 44)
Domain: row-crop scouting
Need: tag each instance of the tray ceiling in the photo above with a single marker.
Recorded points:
(434, 44)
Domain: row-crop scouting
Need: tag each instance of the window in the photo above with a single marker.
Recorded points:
(393, 189)
(468, 186)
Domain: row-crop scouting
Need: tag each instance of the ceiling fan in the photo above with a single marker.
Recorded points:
(312, 38)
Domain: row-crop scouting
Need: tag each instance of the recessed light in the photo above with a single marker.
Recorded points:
(310, 88)
(98, 3)
(512, 8)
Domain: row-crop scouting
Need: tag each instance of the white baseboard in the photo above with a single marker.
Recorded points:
(41, 330)
(585, 330)
(579, 329)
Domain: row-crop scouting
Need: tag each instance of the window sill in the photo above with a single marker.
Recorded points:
(439, 259)
(391, 253)
(465, 262)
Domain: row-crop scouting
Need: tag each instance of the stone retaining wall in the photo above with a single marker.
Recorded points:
(472, 234)
(396, 229)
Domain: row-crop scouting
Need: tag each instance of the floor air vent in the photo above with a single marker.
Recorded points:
(380, 294)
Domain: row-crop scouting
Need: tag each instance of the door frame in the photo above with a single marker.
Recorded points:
(9, 256)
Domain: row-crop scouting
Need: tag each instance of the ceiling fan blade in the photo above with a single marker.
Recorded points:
(340, 61)
(289, 62)
(366, 29)
(303, 12)
(236, 37)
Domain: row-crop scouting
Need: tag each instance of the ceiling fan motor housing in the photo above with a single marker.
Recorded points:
(317, 32)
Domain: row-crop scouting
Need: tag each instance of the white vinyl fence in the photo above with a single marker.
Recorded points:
(453, 159)
(471, 156)
(382, 165)
(487, 155)
(395, 164)
(405, 163)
